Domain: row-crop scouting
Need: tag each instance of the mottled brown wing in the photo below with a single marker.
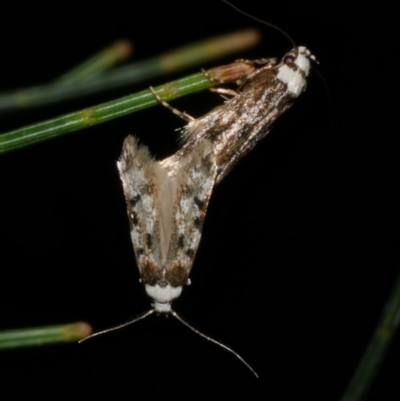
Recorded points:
(142, 179)
(194, 180)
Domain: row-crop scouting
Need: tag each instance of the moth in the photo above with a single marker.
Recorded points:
(166, 209)
(167, 200)
(235, 127)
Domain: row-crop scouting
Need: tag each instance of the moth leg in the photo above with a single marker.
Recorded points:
(222, 75)
(225, 93)
(177, 112)
(239, 72)
(230, 73)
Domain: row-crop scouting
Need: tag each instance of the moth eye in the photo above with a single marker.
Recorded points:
(289, 59)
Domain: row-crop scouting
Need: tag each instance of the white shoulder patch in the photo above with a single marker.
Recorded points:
(294, 74)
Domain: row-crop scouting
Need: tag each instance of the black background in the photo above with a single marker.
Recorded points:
(299, 248)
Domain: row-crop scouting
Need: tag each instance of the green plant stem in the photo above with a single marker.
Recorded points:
(36, 336)
(78, 120)
(175, 60)
(108, 57)
(377, 348)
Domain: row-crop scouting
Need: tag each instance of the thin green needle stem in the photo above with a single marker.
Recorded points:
(377, 348)
(108, 57)
(196, 53)
(36, 336)
(78, 120)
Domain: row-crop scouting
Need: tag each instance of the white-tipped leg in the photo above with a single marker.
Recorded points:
(177, 112)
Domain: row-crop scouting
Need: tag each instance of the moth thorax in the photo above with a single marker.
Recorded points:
(163, 296)
(294, 69)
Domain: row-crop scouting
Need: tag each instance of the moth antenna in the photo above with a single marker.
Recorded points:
(330, 100)
(121, 326)
(263, 22)
(176, 316)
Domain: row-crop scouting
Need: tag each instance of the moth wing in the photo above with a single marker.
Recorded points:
(195, 178)
(141, 176)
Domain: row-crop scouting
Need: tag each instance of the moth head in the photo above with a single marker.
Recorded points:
(163, 296)
(294, 69)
